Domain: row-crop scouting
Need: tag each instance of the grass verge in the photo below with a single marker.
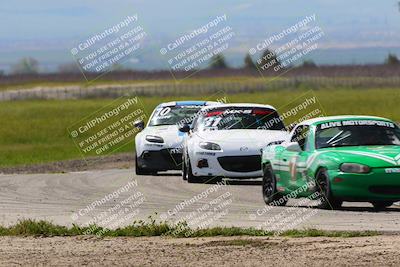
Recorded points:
(153, 228)
(35, 131)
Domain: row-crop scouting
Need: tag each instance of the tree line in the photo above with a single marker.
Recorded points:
(29, 65)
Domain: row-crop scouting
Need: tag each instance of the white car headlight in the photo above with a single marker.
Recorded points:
(154, 139)
(209, 146)
(354, 168)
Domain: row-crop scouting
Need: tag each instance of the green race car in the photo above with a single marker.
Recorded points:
(335, 159)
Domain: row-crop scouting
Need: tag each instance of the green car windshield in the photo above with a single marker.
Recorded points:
(356, 133)
(174, 115)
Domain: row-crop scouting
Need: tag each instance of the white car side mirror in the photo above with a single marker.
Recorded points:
(139, 124)
(293, 147)
(185, 128)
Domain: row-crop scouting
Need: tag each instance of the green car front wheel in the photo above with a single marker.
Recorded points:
(327, 200)
(270, 193)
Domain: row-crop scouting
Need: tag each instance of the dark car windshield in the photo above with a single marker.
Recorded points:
(239, 118)
(357, 133)
(174, 115)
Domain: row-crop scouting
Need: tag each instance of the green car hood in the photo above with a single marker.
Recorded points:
(373, 156)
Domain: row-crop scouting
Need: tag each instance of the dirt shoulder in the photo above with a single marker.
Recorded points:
(117, 161)
(215, 251)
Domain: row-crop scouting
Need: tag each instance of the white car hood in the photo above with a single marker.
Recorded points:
(234, 139)
(170, 133)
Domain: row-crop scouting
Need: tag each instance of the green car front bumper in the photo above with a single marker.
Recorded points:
(373, 186)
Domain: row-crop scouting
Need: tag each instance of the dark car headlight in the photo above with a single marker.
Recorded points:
(154, 139)
(354, 168)
(209, 146)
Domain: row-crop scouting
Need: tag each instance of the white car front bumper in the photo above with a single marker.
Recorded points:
(215, 163)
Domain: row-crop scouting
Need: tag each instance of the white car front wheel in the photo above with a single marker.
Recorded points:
(184, 171)
(189, 174)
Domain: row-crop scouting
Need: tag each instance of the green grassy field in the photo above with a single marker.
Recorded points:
(36, 131)
(83, 83)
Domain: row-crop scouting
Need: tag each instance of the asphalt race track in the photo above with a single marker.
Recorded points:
(68, 198)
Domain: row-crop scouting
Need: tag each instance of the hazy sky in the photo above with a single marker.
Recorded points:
(47, 25)
(25, 19)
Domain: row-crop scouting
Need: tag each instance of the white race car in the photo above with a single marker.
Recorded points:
(159, 145)
(226, 141)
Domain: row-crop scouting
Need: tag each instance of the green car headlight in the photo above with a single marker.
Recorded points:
(354, 168)
(209, 146)
(154, 139)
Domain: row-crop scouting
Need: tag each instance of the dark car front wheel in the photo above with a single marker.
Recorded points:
(271, 195)
(381, 205)
(326, 198)
(189, 174)
(142, 171)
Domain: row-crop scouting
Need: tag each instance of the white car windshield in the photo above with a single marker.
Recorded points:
(228, 118)
(171, 115)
